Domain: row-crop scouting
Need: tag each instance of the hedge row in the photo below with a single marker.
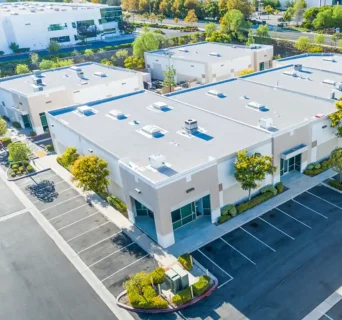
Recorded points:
(316, 168)
(164, 26)
(254, 201)
(335, 184)
(182, 297)
(186, 261)
(117, 203)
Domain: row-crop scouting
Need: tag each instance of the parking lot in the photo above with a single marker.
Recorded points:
(105, 249)
(280, 265)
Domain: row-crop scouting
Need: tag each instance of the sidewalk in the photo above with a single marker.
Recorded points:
(163, 258)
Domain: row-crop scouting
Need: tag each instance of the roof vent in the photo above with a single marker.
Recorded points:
(160, 105)
(151, 129)
(157, 161)
(76, 68)
(117, 114)
(183, 50)
(214, 54)
(37, 88)
(37, 73)
(331, 59)
(37, 81)
(85, 110)
(266, 123)
(338, 86)
(257, 106)
(216, 93)
(80, 74)
(298, 67)
(255, 46)
(100, 74)
(330, 82)
(191, 126)
(291, 73)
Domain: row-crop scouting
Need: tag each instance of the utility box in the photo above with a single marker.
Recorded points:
(173, 281)
(184, 276)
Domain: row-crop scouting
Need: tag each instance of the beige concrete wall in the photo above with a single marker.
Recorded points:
(324, 149)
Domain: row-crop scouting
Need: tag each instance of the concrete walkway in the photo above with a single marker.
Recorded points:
(163, 258)
(295, 181)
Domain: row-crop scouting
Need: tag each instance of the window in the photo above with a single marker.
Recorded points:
(261, 66)
(48, 102)
(86, 28)
(57, 26)
(110, 15)
(141, 210)
(26, 121)
(61, 39)
(184, 215)
(206, 205)
(44, 122)
(73, 24)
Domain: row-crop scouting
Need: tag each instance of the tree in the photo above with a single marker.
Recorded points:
(152, 17)
(218, 36)
(22, 68)
(191, 17)
(88, 53)
(107, 62)
(336, 117)
(53, 46)
(303, 44)
(3, 126)
(269, 10)
(299, 10)
(169, 76)
(340, 43)
(145, 16)
(250, 38)
(191, 4)
(47, 64)
(335, 162)
(244, 6)
(211, 9)
(244, 72)
(323, 20)
(91, 173)
(18, 152)
(161, 18)
(121, 54)
(68, 158)
(210, 28)
(147, 41)
(176, 20)
(163, 7)
(222, 7)
(14, 47)
(288, 14)
(34, 57)
(262, 32)
(233, 22)
(319, 39)
(249, 169)
(132, 62)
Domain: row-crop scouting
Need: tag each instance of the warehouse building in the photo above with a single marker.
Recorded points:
(32, 25)
(207, 62)
(26, 98)
(172, 157)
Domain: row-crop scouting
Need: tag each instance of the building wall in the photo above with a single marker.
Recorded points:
(31, 30)
(263, 55)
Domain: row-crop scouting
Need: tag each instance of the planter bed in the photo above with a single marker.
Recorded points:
(317, 168)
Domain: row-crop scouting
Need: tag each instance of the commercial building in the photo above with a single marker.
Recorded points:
(208, 62)
(32, 25)
(172, 157)
(26, 98)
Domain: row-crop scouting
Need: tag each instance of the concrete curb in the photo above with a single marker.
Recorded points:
(26, 176)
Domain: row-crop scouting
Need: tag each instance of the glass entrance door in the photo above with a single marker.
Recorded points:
(290, 164)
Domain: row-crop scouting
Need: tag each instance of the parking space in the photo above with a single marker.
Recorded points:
(104, 248)
(335, 313)
(268, 254)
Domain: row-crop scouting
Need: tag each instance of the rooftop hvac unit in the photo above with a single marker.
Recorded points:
(256, 106)
(37, 88)
(255, 46)
(100, 74)
(191, 126)
(157, 161)
(37, 81)
(214, 54)
(37, 73)
(338, 86)
(116, 114)
(216, 93)
(265, 123)
(160, 105)
(80, 74)
(298, 67)
(85, 110)
(151, 129)
(330, 82)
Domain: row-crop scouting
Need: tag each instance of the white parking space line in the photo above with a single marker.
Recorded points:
(231, 278)
(324, 314)
(68, 211)
(33, 181)
(303, 205)
(301, 222)
(124, 267)
(68, 225)
(271, 225)
(265, 244)
(89, 231)
(110, 255)
(59, 192)
(96, 243)
(227, 243)
(26, 193)
(224, 283)
(333, 204)
(57, 204)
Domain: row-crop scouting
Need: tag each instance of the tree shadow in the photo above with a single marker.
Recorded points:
(44, 191)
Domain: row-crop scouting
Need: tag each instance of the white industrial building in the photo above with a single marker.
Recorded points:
(32, 25)
(208, 62)
(26, 98)
(171, 158)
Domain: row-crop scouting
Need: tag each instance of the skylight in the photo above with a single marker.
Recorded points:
(257, 106)
(216, 93)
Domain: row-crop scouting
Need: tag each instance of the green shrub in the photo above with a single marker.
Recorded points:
(50, 148)
(21, 169)
(16, 125)
(201, 286)
(117, 203)
(335, 184)
(5, 118)
(314, 169)
(158, 275)
(317, 166)
(14, 166)
(68, 158)
(185, 261)
(310, 167)
(13, 174)
(29, 169)
(182, 297)
(32, 133)
(229, 210)
(6, 141)
(325, 165)
(254, 202)
(159, 303)
(269, 188)
(223, 219)
(25, 163)
(280, 187)
(149, 292)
